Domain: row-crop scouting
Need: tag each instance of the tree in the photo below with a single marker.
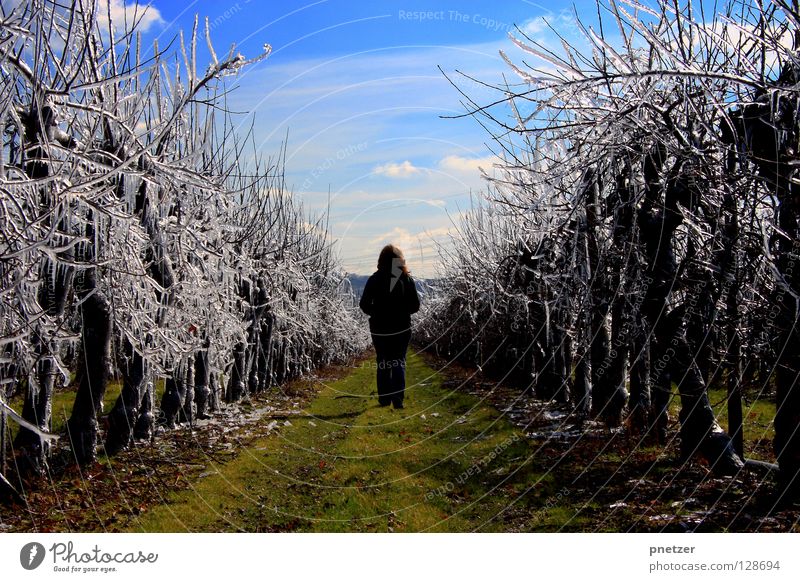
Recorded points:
(133, 221)
(651, 154)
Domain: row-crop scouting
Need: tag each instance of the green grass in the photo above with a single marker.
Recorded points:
(350, 465)
(63, 400)
(447, 462)
(758, 421)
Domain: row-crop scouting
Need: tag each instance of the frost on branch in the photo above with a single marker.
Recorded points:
(644, 224)
(138, 241)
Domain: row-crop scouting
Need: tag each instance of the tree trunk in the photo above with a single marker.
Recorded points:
(731, 278)
(237, 388)
(145, 424)
(265, 354)
(51, 296)
(767, 131)
(700, 433)
(581, 398)
(623, 313)
(565, 366)
(37, 409)
(735, 419)
(187, 409)
(3, 444)
(599, 347)
(82, 425)
(640, 402)
(787, 393)
(547, 380)
(787, 415)
(174, 394)
(260, 308)
(122, 418)
(202, 391)
(215, 390)
(618, 360)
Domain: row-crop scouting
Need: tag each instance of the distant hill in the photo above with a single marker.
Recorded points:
(359, 281)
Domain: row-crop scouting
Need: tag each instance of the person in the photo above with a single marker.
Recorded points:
(389, 298)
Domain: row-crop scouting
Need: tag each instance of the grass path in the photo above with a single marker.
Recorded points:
(447, 462)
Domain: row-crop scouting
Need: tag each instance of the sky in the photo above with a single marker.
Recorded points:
(359, 92)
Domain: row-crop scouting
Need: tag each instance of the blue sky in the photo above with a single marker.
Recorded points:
(357, 87)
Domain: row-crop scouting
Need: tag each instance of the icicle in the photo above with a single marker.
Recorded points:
(24, 423)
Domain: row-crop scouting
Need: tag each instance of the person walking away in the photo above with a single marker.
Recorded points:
(389, 298)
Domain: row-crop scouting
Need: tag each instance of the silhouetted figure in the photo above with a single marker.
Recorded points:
(389, 298)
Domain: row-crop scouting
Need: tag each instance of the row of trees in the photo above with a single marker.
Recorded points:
(143, 236)
(643, 225)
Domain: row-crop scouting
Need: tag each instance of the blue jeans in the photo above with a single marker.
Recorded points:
(390, 349)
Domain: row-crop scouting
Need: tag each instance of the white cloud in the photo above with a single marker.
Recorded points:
(456, 163)
(563, 22)
(776, 43)
(421, 250)
(125, 15)
(408, 240)
(402, 170)
(398, 236)
(534, 26)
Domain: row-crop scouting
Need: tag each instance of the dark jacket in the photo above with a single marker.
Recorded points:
(389, 302)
